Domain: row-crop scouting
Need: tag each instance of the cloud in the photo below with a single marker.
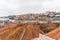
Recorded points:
(51, 4)
(11, 7)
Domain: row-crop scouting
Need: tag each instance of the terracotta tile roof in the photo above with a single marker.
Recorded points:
(34, 39)
(54, 34)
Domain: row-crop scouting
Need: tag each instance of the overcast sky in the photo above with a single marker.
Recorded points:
(11, 7)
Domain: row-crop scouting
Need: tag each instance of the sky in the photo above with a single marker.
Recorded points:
(17, 7)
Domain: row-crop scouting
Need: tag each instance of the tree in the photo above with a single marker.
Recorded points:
(48, 30)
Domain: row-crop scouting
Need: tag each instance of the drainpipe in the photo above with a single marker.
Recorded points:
(22, 34)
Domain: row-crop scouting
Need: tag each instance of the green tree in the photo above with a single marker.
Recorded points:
(48, 30)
